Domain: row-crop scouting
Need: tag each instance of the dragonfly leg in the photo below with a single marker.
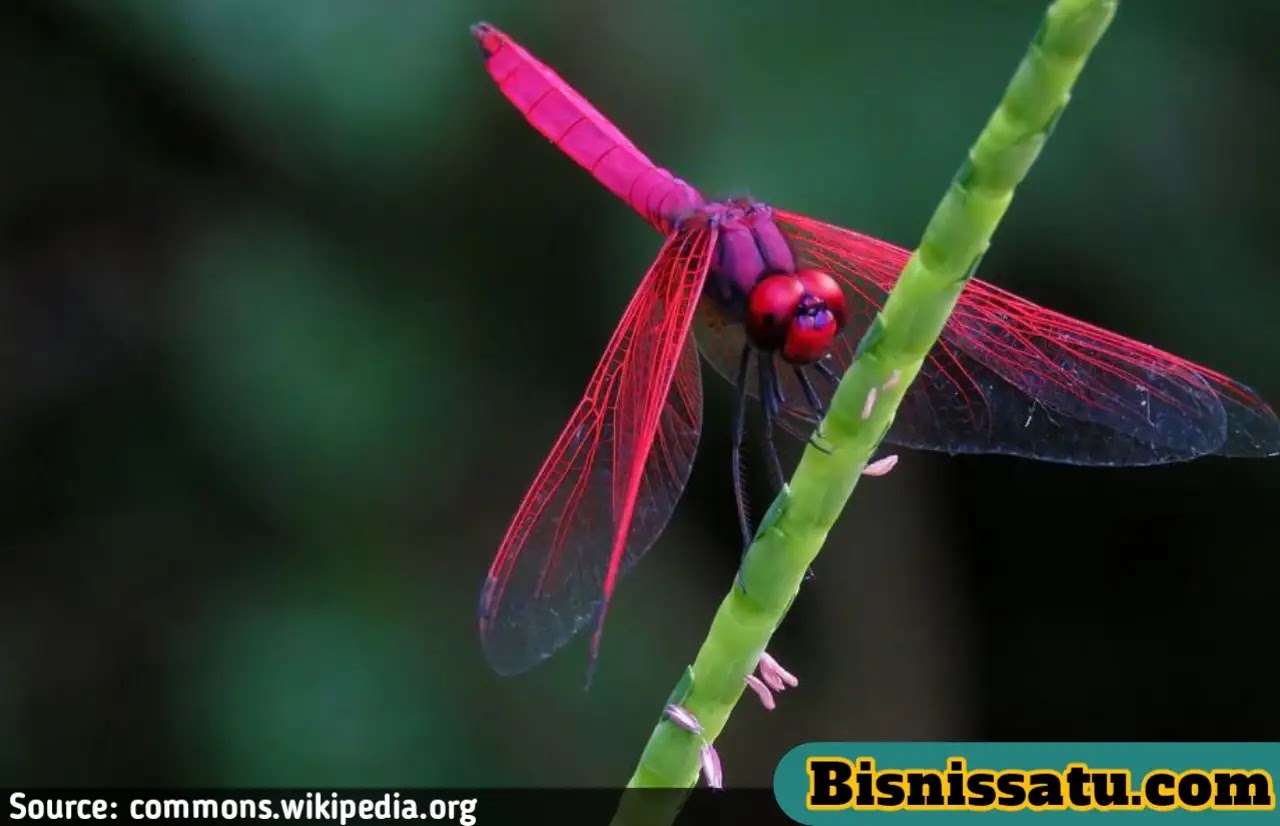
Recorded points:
(739, 434)
(810, 395)
(739, 479)
(769, 403)
(778, 397)
(827, 373)
(815, 404)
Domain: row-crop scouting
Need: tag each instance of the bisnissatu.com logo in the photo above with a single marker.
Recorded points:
(838, 783)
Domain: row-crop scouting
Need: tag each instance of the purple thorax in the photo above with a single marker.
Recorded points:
(750, 247)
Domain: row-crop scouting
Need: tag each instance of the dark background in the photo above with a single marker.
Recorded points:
(293, 303)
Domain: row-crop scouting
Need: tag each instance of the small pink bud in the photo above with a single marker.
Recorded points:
(777, 677)
(892, 381)
(762, 691)
(881, 466)
(869, 404)
(711, 766)
(683, 718)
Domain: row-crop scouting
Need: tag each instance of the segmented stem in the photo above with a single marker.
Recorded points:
(792, 533)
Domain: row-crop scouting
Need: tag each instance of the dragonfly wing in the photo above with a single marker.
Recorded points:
(1008, 376)
(611, 482)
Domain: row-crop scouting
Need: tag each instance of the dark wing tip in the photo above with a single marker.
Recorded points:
(1253, 430)
(510, 646)
(487, 37)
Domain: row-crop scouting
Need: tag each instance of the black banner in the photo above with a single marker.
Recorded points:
(462, 807)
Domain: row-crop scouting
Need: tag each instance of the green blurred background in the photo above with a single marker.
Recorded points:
(293, 303)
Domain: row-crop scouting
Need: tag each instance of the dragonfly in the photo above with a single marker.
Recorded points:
(776, 302)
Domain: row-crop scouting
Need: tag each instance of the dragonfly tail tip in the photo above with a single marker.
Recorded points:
(487, 37)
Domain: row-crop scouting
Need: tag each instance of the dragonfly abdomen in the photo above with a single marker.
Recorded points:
(580, 131)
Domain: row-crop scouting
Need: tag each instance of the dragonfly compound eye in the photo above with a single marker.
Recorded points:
(771, 307)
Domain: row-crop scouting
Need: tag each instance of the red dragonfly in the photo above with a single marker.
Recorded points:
(748, 280)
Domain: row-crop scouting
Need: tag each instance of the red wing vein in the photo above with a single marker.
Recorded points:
(613, 477)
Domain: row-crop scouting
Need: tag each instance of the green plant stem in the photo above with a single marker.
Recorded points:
(792, 532)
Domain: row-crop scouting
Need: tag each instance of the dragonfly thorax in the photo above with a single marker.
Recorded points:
(754, 281)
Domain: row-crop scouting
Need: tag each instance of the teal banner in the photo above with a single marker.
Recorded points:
(830, 783)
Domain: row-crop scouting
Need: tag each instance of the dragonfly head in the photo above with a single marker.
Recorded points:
(796, 314)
